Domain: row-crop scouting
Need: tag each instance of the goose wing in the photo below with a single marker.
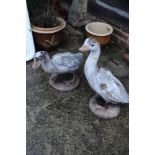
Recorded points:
(110, 88)
(67, 59)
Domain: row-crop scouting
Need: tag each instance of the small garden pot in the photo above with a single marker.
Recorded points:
(47, 38)
(100, 31)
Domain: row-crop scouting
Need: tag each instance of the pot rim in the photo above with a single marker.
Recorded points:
(97, 34)
(50, 30)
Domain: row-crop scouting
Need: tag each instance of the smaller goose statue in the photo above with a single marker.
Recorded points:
(103, 82)
(60, 63)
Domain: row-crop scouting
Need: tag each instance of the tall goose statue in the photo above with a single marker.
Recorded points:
(60, 63)
(103, 82)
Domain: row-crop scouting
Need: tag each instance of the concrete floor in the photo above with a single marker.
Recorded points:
(61, 123)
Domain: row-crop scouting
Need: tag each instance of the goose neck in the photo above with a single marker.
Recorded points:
(47, 64)
(91, 62)
(94, 55)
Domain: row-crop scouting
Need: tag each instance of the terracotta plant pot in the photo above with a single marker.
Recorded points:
(100, 31)
(47, 38)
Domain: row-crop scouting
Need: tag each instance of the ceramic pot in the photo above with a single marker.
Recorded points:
(100, 31)
(47, 38)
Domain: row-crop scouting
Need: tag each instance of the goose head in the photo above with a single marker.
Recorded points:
(90, 44)
(39, 58)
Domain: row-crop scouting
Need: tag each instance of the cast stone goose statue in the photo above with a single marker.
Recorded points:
(60, 63)
(103, 82)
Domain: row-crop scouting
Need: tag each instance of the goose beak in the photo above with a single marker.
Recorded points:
(84, 48)
(36, 64)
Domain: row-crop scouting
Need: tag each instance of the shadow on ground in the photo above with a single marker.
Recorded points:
(61, 123)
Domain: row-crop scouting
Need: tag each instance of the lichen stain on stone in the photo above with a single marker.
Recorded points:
(103, 86)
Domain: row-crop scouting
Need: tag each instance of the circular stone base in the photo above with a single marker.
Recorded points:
(110, 111)
(64, 86)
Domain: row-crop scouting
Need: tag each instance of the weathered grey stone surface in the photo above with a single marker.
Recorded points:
(78, 15)
(61, 123)
(112, 59)
(79, 6)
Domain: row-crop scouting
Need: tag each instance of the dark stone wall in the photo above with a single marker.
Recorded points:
(121, 4)
(114, 13)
